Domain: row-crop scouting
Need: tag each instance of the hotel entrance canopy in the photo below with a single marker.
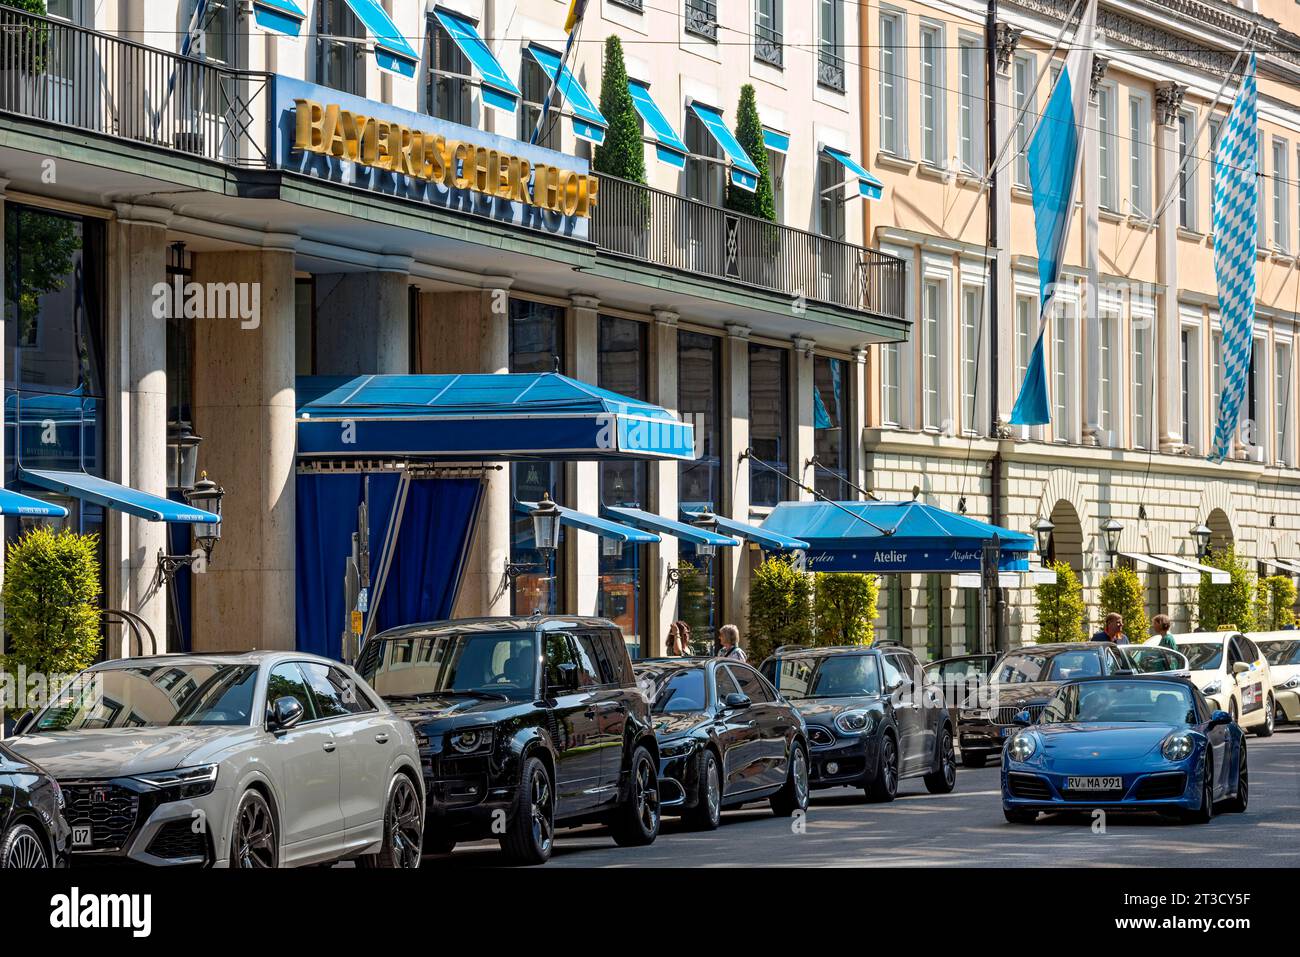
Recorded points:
(895, 537)
(475, 418)
(15, 503)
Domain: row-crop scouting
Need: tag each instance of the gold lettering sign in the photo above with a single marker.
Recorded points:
(457, 164)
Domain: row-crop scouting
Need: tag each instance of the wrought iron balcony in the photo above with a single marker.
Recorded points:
(768, 45)
(830, 69)
(702, 19)
(654, 226)
(637, 5)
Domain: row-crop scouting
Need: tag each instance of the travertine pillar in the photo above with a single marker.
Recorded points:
(363, 322)
(735, 473)
(582, 553)
(860, 381)
(664, 497)
(803, 417)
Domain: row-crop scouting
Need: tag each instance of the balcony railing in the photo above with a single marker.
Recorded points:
(65, 74)
(665, 229)
(702, 19)
(768, 45)
(830, 69)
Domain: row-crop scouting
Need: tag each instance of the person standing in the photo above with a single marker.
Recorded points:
(1160, 626)
(1112, 630)
(729, 637)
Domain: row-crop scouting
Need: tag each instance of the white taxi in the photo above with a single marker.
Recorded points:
(1233, 674)
(1282, 649)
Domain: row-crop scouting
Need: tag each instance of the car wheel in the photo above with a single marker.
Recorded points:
(1265, 730)
(22, 847)
(403, 828)
(885, 784)
(944, 779)
(793, 795)
(1232, 710)
(973, 759)
(636, 823)
(707, 813)
(1018, 815)
(1205, 810)
(253, 842)
(530, 834)
(1238, 802)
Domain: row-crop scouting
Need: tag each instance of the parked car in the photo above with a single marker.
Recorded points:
(872, 720)
(33, 831)
(726, 738)
(524, 724)
(1126, 743)
(1148, 659)
(1234, 675)
(960, 677)
(259, 759)
(1282, 651)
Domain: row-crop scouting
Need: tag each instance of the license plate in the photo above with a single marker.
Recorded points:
(81, 835)
(1095, 784)
(1007, 731)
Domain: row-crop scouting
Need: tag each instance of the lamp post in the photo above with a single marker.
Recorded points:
(1111, 529)
(206, 495)
(182, 455)
(706, 522)
(546, 537)
(1042, 529)
(1201, 534)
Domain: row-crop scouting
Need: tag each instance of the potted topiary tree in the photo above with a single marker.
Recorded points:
(1275, 599)
(1060, 606)
(1122, 592)
(1226, 606)
(780, 608)
(845, 608)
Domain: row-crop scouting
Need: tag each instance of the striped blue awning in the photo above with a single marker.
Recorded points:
(91, 488)
(393, 52)
(868, 185)
(667, 526)
(284, 17)
(670, 147)
(12, 503)
(603, 527)
(499, 91)
(764, 538)
(776, 141)
(588, 122)
(743, 171)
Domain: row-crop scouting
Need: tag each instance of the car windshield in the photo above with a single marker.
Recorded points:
(1019, 669)
(1122, 700)
(156, 696)
(835, 676)
(1285, 651)
(1083, 663)
(502, 664)
(682, 690)
(1148, 659)
(1202, 655)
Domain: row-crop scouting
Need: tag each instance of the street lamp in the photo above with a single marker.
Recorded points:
(546, 524)
(706, 522)
(1201, 533)
(207, 495)
(1111, 529)
(182, 455)
(1042, 529)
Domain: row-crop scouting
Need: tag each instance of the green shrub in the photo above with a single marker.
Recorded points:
(1231, 605)
(51, 610)
(1060, 606)
(623, 152)
(749, 134)
(780, 608)
(845, 608)
(1122, 592)
(1275, 598)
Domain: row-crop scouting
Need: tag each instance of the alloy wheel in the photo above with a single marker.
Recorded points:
(542, 811)
(254, 836)
(405, 824)
(25, 851)
(1243, 782)
(645, 796)
(712, 790)
(949, 762)
(889, 764)
(1270, 714)
(800, 773)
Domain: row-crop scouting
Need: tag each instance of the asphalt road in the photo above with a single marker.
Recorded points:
(961, 829)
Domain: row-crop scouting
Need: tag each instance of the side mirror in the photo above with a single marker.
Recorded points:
(1240, 667)
(735, 701)
(283, 713)
(1219, 717)
(1023, 718)
(24, 722)
(568, 676)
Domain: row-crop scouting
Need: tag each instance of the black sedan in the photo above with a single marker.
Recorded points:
(33, 832)
(726, 738)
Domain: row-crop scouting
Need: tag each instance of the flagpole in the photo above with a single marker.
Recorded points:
(576, 11)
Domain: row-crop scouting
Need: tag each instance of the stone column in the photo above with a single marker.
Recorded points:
(470, 332)
(141, 264)
(735, 473)
(861, 383)
(803, 418)
(244, 407)
(4, 384)
(664, 496)
(1169, 411)
(1002, 362)
(363, 321)
(582, 553)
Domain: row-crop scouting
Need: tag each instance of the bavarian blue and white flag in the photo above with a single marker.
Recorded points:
(1055, 156)
(1236, 197)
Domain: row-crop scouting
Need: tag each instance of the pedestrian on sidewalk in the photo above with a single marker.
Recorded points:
(729, 637)
(1112, 630)
(1160, 626)
(678, 647)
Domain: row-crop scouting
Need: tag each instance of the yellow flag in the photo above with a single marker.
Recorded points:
(576, 9)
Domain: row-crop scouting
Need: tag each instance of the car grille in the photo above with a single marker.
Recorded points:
(1029, 786)
(1157, 787)
(1007, 714)
(820, 737)
(109, 809)
(176, 840)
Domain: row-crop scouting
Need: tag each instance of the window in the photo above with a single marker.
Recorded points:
(893, 84)
(1139, 157)
(702, 19)
(769, 415)
(830, 47)
(1026, 335)
(588, 662)
(970, 109)
(933, 617)
(699, 399)
(751, 683)
(533, 85)
(1108, 323)
(340, 58)
(776, 164)
(1063, 372)
(1216, 374)
(724, 684)
(972, 315)
(933, 315)
(1257, 398)
(933, 148)
(286, 681)
(767, 32)
(328, 698)
(1142, 392)
(1215, 126)
(1024, 76)
(1186, 172)
(448, 87)
(70, 10)
(830, 198)
(890, 385)
(831, 432)
(1281, 195)
(1185, 383)
(1108, 191)
(704, 165)
(217, 31)
(1282, 375)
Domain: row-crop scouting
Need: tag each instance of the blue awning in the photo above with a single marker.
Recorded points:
(91, 488)
(483, 418)
(596, 525)
(393, 52)
(669, 147)
(667, 526)
(13, 503)
(284, 17)
(588, 122)
(762, 537)
(776, 140)
(743, 171)
(499, 91)
(895, 537)
(868, 185)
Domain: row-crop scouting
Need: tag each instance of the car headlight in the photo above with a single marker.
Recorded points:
(182, 783)
(1290, 684)
(471, 740)
(855, 722)
(1177, 746)
(675, 749)
(1214, 687)
(975, 714)
(1022, 747)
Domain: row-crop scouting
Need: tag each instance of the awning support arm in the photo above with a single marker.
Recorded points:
(816, 463)
(749, 454)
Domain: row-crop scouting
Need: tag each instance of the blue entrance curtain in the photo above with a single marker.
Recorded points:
(432, 547)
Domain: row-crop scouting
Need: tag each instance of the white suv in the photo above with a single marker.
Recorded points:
(1233, 674)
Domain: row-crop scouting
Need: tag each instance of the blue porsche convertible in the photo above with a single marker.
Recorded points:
(1126, 743)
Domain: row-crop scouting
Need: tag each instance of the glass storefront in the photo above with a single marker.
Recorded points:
(536, 345)
(621, 596)
(769, 423)
(831, 427)
(699, 399)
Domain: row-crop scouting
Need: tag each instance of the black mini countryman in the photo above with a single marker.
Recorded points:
(871, 717)
(523, 724)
